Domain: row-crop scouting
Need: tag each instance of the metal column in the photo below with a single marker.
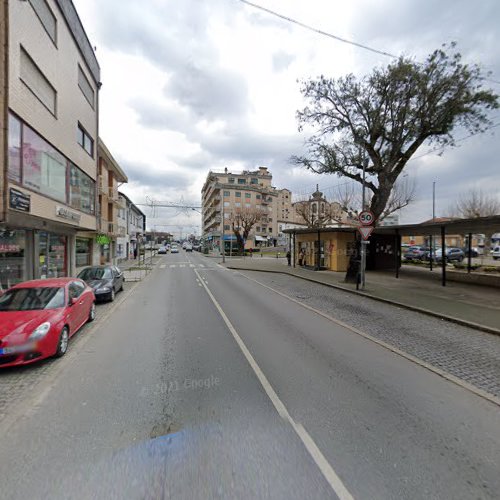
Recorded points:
(469, 254)
(443, 256)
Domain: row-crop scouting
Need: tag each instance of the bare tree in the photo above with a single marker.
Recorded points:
(350, 198)
(385, 118)
(475, 203)
(242, 220)
(312, 214)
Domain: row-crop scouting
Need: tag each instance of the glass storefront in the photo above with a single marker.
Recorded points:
(83, 252)
(52, 255)
(12, 261)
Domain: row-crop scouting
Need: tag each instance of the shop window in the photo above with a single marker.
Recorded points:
(44, 168)
(51, 255)
(83, 252)
(81, 191)
(14, 165)
(12, 262)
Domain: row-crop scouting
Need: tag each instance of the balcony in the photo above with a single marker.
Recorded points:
(107, 227)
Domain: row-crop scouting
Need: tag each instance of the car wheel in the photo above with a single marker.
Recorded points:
(495, 258)
(460, 259)
(112, 295)
(92, 313)
(62, 345)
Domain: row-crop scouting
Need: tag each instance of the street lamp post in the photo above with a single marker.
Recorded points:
(431, 238)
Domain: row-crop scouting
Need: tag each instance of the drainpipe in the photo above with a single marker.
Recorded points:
(4, 107)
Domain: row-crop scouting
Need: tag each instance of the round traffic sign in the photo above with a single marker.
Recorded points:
(366, 218)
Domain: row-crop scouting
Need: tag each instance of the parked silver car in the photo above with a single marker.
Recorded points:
(451, 253)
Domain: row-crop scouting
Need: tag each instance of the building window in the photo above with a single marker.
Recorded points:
(83, 252)
(231, 180)
(86, 87)
(237, 204)
(247, 205)
(254, 180)
(258, 196)
(14, 165)
(314, 208)
(35, 80)
(226, 193)
(257, 229)
(238, 194)
(52, 255)
(44, 168)
(226, 216)
(81, 190)
(85, 141)
(270, 229)
(227, 227)
(47, 18)
(242, 181)
(248, 195)
(226, 203)
(12, 261)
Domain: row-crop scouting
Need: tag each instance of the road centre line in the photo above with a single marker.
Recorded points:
(451, 378)
(325, 467)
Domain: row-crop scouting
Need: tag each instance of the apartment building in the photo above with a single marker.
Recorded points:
(109, 178)
(225, 193)
(133, 220)
(49, 82)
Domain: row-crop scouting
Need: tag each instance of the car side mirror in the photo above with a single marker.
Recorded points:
(73, 301)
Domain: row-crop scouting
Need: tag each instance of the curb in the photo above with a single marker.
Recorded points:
(422, 310)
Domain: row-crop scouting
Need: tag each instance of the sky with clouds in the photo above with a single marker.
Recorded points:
(194, 85)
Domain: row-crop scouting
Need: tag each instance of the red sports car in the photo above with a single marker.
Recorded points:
(37, 318)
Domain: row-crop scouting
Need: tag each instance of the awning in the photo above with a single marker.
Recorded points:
(260, 238)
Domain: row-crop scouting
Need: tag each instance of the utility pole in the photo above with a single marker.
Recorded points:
(223, 243)
(431, 254)
(363, 242)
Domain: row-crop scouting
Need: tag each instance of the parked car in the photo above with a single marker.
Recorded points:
(451, 253)
(496, 253)
(473, 253)
(106, 281)
(417, 253)
(188, 247)
(184, 245)
(37, 318)
(174, 249)
(196, 247)
(162, 250)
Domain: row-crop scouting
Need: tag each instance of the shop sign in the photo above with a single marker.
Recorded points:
(9, 248)
(103, 239)
(64, 213)
(19, 200)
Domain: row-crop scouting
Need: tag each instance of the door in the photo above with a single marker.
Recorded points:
(79, 310)
(118, 278)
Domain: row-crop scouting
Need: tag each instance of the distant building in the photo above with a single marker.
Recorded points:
(133, 220)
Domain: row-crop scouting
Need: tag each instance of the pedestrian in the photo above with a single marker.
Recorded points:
(135, 252)
(302, 257)
(289, 257)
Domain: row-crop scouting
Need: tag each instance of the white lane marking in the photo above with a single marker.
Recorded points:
(163, 266)
(327, 470)
(451, 378)
(173, 265)
(182, 265)
(201, 265)
(192, 265)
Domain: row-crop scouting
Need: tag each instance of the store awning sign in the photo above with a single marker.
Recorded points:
(64, 213)
(19, 200)
(103, 239)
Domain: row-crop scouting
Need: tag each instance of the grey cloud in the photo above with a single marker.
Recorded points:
(210, 92)
(281, 60)
(146, 176)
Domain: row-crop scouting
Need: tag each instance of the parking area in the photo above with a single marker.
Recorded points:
(16, 383)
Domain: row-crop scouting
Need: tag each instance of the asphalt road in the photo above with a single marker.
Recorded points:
(204, 384)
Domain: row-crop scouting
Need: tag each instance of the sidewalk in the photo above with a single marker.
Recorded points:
(469, 305)
(135, 270)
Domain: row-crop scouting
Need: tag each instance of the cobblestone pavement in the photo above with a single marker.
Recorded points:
(471, 355)
(15, 383)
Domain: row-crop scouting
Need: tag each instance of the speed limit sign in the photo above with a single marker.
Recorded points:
(366, 218)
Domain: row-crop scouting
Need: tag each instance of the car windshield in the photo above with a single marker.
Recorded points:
(96, 273)
(32, 299)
